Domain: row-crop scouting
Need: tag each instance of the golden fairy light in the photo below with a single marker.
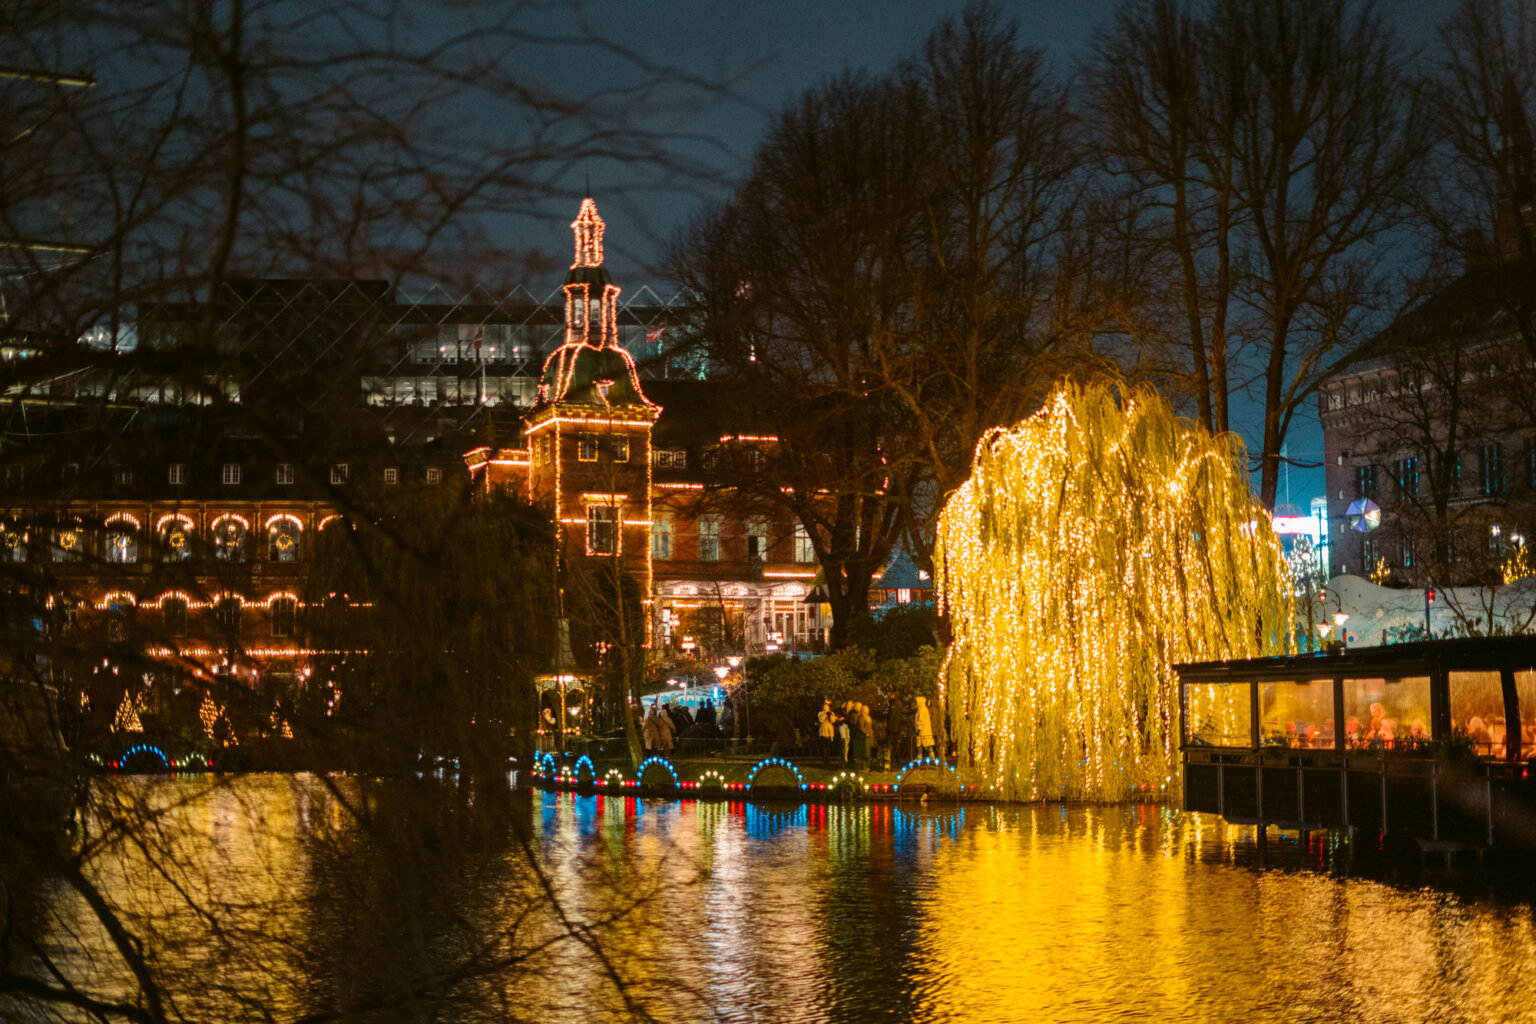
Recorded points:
(1098, 543)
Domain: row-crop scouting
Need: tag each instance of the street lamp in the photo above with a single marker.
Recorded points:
(1339, 618)
(1323, 629)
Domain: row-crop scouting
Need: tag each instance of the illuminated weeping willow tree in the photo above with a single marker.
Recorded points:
(1096, 544)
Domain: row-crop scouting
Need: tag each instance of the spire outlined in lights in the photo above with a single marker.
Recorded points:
(588, 228)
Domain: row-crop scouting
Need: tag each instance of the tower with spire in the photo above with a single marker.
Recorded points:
(589, 434)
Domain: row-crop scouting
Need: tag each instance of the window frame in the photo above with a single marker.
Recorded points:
(284, 611)
(596, 524)
(708, 530)
(661, 538)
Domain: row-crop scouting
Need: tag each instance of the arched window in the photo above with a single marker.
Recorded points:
(175, 538)
(283, 534)
(122, 540)
(229, 538)
(13, 545)
(68, 545)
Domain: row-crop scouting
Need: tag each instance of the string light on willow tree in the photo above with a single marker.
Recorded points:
(1096, 544)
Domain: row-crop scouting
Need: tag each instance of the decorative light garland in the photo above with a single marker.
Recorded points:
(770, 762)
(640, 771)
(1096, 544)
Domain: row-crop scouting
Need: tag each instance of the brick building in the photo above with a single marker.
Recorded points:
(640, 471)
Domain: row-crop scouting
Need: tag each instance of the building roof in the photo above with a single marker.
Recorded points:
(1477, 305)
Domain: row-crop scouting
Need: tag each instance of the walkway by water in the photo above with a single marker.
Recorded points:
(734, 912)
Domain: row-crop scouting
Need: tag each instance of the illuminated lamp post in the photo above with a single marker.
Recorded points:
(1323, 629)
(1339, 618)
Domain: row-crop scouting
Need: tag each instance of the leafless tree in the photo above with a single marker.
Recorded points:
(1266, 148)
(157, 155)
(883, 282)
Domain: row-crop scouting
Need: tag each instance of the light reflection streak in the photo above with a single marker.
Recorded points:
(732, 911)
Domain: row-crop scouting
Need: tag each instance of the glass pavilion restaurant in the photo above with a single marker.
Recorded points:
(1430, 742)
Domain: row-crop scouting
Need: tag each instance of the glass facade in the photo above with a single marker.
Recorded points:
(1477, 710)
(1218, 715)
(1379, 711)
(1297, 714)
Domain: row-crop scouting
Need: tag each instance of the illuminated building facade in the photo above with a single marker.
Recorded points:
(182, 556)
(1433, 424)
(631, 470)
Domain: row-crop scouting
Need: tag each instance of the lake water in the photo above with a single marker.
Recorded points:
(273, 897)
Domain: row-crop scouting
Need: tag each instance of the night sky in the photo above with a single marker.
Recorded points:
(764, 55)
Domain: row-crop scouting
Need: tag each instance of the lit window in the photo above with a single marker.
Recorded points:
(175, 540)
(661, 537)
(434, 475)
(229, 540)
(602, 530)
(283, 541)
(68, 545)
(1365, 482)
(285, 613)
(805, 551)
(621, 448)
(13, 546)
(339, 473)
(757, 540)
(231, 472)
(391, 476)
(122, 475)
(709, 539)
(1493, 469)
(178, 473)
(586, 448)
(122, 547)
(285, 473)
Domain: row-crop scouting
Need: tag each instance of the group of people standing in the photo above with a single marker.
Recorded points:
(663, 723)
(850, 733)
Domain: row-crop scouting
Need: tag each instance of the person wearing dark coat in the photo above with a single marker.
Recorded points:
(706, 715)
(858, 737)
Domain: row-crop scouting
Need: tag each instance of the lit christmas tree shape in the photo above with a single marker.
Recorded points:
(1097, 544)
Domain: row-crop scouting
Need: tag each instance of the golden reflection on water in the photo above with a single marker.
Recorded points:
(713, 911)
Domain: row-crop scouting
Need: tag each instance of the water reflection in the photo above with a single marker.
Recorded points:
(428, 902)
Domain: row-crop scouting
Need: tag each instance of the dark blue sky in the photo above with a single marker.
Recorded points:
(764, 54)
